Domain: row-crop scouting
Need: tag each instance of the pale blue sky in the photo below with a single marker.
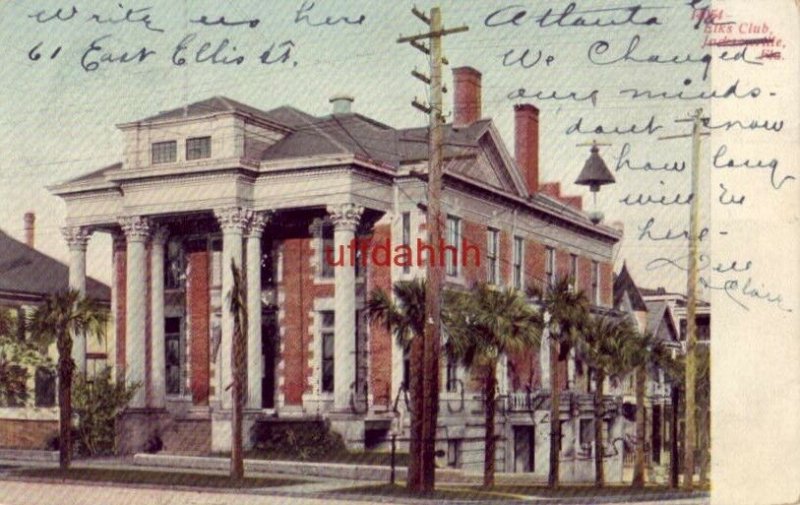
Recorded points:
(57, 120)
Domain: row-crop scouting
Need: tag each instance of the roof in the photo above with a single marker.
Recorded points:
(658, 314)
(215, 104)
(26, 271)
(623, 283)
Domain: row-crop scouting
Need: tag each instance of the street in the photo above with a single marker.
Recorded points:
(29, 493)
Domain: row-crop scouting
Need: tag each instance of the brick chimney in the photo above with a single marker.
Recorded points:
(467, 96)
(526, 144)
(30, 220)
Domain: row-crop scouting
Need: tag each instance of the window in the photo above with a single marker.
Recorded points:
(327, 322)
(586, 432)
(198, 148)
(518, 251)
(174, 265)
(406, 369)
(175, 356)
(454, 453)
(596, 283)
(453, 239)
(406, 237)
(327, 252)
(451, 384)
(573, 270)
(550, 265)
(492, 237)
(45, 387)
(164, 152)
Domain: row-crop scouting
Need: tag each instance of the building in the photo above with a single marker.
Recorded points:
(677, 304)
(656, 318)
(218, 181)
(27, 277)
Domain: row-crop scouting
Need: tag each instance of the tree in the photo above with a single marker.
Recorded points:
(607, 346)
(673, 367)
(16, 355)
(405, 316)
(642, 355)
(97, 403)
(57, 319)
(565, 311)
(483, 325)
(238, 310)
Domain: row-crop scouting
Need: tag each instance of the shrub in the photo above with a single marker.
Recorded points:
(307, 440)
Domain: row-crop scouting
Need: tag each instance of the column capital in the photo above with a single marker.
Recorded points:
(257, 221)
(232, 218)
(136, 228)
(160, 235)
(345, 215)
(77, 237)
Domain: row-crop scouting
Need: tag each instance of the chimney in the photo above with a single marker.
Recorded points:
(30, 220)
(342, 103)
(526, 144)
(467, 96)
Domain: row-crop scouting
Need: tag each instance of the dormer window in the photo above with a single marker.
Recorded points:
(164, 152)
(198, 148)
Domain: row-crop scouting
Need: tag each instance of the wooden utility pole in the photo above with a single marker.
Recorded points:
(690, 431)
(425, 399)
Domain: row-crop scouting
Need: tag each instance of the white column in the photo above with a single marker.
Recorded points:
(158, 379)
(232, 221)
(137, 230)
(255, 358)
(345, 218)
(77, 239)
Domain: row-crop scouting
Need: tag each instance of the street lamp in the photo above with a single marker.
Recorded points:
(595, 173)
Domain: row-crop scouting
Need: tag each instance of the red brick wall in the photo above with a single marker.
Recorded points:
(585, 277)
(199, 314)
(26, 434)
(562, 263)
(121, 273)
(606, 283)
(562, 375)
(297, 283)
(524, 370)
(506, 257)
(380, 339)
(534, 264)
(473, 234)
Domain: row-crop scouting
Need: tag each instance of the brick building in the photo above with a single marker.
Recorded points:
(219, 181)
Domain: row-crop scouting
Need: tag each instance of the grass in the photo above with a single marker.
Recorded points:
(510, 492)
(371, 458)
(158, 478)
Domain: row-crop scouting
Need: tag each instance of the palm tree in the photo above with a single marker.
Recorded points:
(607, 345)
(564, 311)
(673, 369)
(238, 310)
(57, 319)
(406, 318)
(641, 356)
(484, 325)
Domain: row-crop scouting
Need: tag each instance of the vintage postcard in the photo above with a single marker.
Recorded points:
(379, 251)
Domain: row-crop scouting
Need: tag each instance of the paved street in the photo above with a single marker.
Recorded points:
(27, 493)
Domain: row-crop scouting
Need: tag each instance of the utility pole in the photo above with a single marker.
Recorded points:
(425, 392)
(690, 431)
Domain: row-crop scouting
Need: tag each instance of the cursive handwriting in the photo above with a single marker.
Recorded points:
(526, 58)
(131, 16)
(58, 15)
(739, 292)
(767, 125)
(648, 199)
(221, 21)
(729, 199)
(571, 17)
(597, 55)
(721, 161)
(96, 55)
(731, 92)
(649, 128)
(648, 232)
(623, 161)
(302, 16)
(541, 95)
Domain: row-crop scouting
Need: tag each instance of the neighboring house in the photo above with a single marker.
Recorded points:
(656, 318)
(677, 303)
(218, 180)
(27, 277)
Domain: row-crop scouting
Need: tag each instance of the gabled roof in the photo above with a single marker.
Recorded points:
(660, 320)
(26, 271)
(95, 175)
(623, 284)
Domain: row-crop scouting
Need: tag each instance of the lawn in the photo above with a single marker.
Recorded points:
(373, 458)
(158, 478)
(516, 492)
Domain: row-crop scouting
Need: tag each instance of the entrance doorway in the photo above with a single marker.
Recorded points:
(269, 350)
(523, 449)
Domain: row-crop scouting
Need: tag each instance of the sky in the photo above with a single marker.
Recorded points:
(59, 113)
